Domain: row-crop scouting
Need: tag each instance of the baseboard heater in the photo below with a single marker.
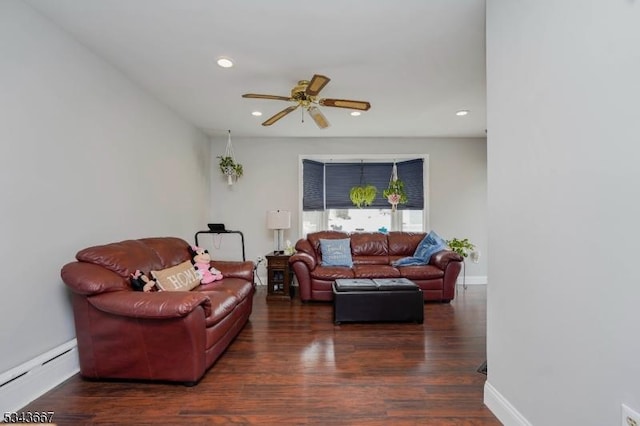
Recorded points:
(28, 381)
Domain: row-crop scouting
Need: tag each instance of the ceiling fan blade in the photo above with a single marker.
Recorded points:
(316, 84)
(256, 96)
(279, 115)
(318, 117)
(346, 103)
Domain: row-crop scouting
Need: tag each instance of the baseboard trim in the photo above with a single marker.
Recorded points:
(470, 280)
(473, 280)
(21, 385)
(502, 408)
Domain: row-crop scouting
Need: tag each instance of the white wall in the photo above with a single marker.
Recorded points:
(86, 158)
(457, 173)
(564, 181)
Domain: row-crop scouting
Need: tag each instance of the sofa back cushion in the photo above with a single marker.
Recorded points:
(170, 250)
(402, 244)
(148, 254)
(123, 257)
(369, 248)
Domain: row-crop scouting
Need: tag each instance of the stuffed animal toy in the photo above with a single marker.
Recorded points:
(202, 262)
(140, 282)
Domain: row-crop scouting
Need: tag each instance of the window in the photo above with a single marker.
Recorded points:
(325, 195)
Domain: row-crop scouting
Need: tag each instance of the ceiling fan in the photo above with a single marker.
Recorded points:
(305, 95)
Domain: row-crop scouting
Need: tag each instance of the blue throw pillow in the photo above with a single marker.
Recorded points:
(429, 245)
(336, 252)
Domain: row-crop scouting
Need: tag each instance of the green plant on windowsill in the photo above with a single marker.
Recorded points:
(462, 247)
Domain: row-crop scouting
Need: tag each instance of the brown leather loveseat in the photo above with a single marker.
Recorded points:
(372, 254)
(166, 335)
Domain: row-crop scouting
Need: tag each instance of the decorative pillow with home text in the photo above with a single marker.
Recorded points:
(182, 277)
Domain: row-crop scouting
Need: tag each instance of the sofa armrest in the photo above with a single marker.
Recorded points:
(442, 258)
(233, 269)
(156, 305)
(305, 258)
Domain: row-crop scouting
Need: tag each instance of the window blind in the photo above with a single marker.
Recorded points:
(341, 177)
(411, 174)
(312, 185)
(328, 185)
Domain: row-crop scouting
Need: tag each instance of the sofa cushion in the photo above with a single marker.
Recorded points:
(237, 287)
(182, 277)
(336, 252)
(330, 273)
(424, 272)
(375, 271)
(371, 260)
(402, 244)
(369, 244)
(222, 303)
(123, 257)
(170, 250)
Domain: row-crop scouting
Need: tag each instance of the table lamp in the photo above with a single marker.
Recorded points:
(278, 220)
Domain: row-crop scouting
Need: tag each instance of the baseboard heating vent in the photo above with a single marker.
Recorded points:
(28, 381)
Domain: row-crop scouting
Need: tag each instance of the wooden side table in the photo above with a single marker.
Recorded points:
(279, 276)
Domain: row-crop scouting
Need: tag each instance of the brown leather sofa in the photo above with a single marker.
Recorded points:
(167, 335)
(372, 254)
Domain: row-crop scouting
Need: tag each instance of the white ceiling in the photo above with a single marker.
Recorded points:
(416, 61)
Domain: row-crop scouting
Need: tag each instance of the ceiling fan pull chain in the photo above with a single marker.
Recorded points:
(302, 114)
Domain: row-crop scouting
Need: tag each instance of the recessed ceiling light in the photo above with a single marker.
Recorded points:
(462, 112)
(256, 113)
(355, 113)
(225, 62)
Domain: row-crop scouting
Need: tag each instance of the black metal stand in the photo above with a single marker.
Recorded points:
(223, 232)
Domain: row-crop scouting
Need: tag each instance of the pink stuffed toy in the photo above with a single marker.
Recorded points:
(202, 262)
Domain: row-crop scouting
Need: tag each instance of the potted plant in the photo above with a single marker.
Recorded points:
(395, 191)
(363, 195)
(462, 247)
(395, 194)
(230, 168)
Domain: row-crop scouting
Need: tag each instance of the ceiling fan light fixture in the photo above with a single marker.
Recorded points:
(318, 117)
(224, 62)
(355, 113)
(462, 112)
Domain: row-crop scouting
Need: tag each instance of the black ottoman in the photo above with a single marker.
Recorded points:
(377, 300)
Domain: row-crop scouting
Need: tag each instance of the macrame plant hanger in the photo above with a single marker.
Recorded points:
(230, 170)
(393, 198)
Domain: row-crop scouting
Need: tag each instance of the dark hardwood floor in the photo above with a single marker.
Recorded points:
(292, 365)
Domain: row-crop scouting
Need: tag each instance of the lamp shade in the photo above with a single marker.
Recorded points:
(278, 219)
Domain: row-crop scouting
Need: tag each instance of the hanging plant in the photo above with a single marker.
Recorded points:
(395, 193)
(363, 195)
(228, 165)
